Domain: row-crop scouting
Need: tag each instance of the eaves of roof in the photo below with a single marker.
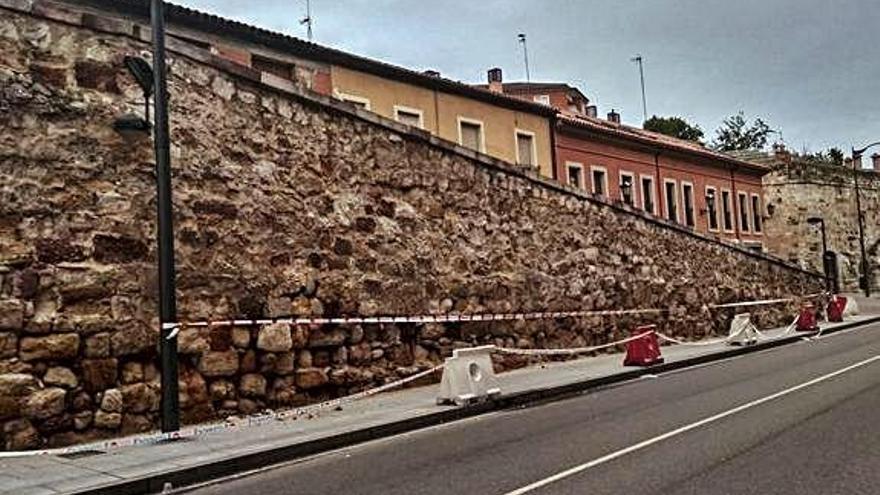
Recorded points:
(201, 21)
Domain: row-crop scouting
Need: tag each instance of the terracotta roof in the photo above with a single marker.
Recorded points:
(201, 21)
(651, 138)
(530, 88)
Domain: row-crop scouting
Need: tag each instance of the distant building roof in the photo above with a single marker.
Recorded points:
(194, 19)
(537, 87)
(650, 138)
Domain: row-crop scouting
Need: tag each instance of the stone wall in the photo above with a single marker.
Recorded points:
(285, 204)
(796, 190)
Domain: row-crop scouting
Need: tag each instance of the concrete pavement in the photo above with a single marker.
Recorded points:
(814, 440)
(148, 468)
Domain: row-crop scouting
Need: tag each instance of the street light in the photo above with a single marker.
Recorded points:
(865, 276)
(829, 266)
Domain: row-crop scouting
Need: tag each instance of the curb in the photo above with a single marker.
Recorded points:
(189, 476)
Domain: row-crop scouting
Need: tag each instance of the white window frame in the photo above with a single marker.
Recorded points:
(604, 170)
(523, 132)
(651, 178)
(411, 110)
(693, 204)
(733, 220)
(746, 229)
(465, 120)
(635, 187)
(542, 99)
(677, 200)
(355, 99)
(757, 214)
(718, 219)
(580, 167)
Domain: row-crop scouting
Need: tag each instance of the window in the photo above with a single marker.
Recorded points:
(756, 213)
(726, 214)
(470, 134)
(687, 197)
(272, 66)
(575, 174)
(358, 101)
(648, 193)
(542, 99)
(409, 116)
(525, 149)
(671, 200)
(627, 188)
(600, 180)
(743, 212)
(712, 207)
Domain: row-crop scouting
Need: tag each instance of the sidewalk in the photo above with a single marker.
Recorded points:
(147, 468)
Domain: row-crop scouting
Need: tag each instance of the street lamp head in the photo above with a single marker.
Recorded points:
(131, 126)
(142, 72)
(815, 220)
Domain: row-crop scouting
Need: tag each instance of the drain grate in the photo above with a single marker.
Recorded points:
(81, 454)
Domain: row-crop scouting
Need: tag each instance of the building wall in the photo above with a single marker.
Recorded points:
(796, 191)
(616, 158)
(442, 111)
(287, 203)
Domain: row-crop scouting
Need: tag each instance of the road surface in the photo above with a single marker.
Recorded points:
(801, 419)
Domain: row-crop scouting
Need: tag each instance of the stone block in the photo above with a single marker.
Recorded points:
(134, 338)
(327, 338)
(219, 363)
(309, 378)
(8, 345)
(139, 398)
(241, 337)
(51, 347)
(44, 404)
(60, 376)
(112, 401)
(275, 338)
(20, 434)
(14, 388)
(99, 374)
(97, 346)
(107, 420)
(193, 341)
(11, 314)
(252, 385)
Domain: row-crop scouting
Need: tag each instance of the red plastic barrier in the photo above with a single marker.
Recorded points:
(807, 319)
(644, 351)
(835, 308)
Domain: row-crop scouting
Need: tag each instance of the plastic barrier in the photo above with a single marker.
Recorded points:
(835, 308)
(468, 377)
(851, 308)
(643, 351)
(742, 330)
(807, 319)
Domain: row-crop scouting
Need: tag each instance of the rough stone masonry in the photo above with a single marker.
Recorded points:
(285, 204)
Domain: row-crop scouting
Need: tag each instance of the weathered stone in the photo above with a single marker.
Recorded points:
(14, 388)
(107, 420)
(275, 338)
(44, 404)
(132, 372)
(97, 346)
(222, 390)
(285, 363)
(304, 359)
(134, 338)
(11, 314)
(83, 420)
(327, 338)
(300, 336)
(214, 363)
(248, 362)
(241, 337)
(8, 345)
(192, 389)
(112, 401)
(98, 374)
(63, 377)
(139, 398)
(252, 385)
(309, 378)
(135, 423)
(193, 341)
(20, 434)
(52, 347)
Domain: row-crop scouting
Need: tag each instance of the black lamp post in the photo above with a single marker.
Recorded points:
(865, 275)
(826, 262)
(150, 80)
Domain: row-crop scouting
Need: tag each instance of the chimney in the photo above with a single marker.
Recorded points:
(496, 80)
(876, 159)
(593, 111)
(613, 116)
(431, 73)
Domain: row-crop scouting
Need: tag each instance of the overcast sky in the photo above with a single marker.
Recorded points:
(810, 68)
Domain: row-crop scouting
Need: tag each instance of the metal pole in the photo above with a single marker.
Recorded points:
(522, 39)
(639, 59)
(167, 303)
(309, 18)
(865, 276)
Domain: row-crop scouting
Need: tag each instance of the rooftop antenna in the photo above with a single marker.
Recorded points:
(307, 20)
(640, 60)
(522, 39)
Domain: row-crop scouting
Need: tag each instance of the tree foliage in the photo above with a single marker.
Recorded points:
(833, 156)
(675, 127)
(737, 133)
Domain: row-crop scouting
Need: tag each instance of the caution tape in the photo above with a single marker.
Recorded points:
(569, 351)
(765, 302)
(701, 343)
(231, 423)
(444, 318)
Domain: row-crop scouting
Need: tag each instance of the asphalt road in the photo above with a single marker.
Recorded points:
(751, 425)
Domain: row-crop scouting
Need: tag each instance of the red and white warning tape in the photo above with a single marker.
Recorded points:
(570, 351)
(766, 302)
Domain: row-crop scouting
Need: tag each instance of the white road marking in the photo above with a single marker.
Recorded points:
(711, 419)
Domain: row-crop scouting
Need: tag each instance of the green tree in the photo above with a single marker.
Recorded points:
(737, 133)
(835, 155)
(675, 127)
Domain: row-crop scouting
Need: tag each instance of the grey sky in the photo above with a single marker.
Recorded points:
(808, 67)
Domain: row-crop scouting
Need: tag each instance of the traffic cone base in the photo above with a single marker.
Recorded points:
(644, 351)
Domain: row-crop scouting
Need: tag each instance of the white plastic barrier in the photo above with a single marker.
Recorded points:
(742, 330)
(468, 377)
(851, 308)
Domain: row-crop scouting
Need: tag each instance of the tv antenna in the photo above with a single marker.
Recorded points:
(522, 39)
(640, 60)
(307, 20)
